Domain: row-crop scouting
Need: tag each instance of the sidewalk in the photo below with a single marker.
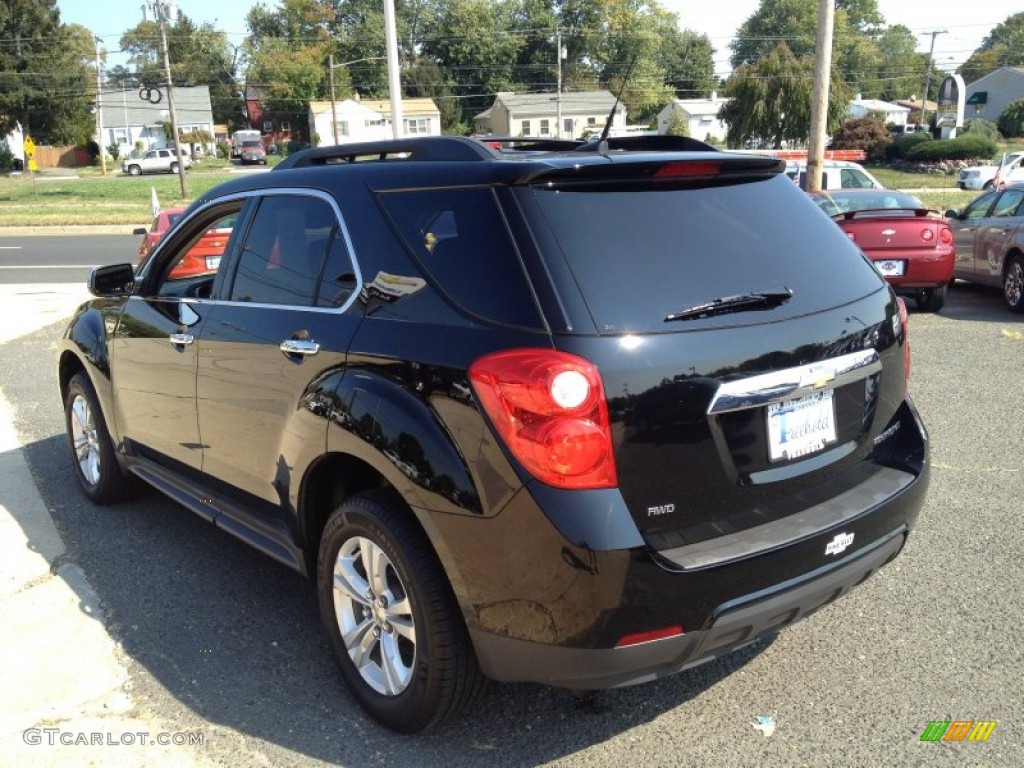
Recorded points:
(63, 681)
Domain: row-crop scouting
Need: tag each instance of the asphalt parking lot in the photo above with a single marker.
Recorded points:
(219, 640)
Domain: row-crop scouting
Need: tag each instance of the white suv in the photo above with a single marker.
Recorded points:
(836, 174)
(155, 161)
(983, 176)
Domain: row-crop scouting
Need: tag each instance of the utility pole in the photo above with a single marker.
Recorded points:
(819, 100)
(334, 108)
(161, 13)
(928, 74)
(558, 93)
(394, 80)
(99, 110)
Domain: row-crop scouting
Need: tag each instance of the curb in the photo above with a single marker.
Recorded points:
(70, 229)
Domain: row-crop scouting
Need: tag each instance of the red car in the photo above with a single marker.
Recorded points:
(203, 258)
(911, 245)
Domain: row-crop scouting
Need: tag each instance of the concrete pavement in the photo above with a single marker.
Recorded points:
(64, 684)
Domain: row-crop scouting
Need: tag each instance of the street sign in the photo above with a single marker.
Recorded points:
(30, 147)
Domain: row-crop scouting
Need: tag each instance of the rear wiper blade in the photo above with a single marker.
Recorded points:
(741, 301)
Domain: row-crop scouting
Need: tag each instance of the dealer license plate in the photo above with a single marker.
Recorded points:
(799, 427)
(212, 262)
(892, 267)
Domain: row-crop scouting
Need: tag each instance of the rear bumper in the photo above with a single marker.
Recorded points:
(737, 623)
(925, 269)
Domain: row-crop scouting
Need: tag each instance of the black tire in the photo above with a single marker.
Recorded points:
(931, 299)
(1013, 283)
(134, 170)
(986, 186)
(92, 450)
(434, 674)
(174, 167)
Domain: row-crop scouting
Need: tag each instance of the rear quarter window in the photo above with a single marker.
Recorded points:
(461, 241)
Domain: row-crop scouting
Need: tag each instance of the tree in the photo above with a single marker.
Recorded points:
(771, 100)
(902, 69)
(1011, 122)
(795, 23)
(867, 133)
(424, 79)
(688, 60)
(677, 124)
(46, 80)
(199, 55)
(1004, 47)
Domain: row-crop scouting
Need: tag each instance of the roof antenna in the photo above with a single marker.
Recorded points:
(602, 143)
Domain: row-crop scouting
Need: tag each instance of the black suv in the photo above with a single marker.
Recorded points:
(583, 415)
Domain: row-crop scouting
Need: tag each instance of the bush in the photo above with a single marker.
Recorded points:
(979, 126)
(902, 147)
(94, 151)
(224, 150)
(114, 150)
(6, 158)
(867, 133)
(961, 148)
(1011, 122)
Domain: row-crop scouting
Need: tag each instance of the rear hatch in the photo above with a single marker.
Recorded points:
(726, 413)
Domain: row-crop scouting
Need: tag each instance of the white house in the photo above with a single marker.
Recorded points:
(536, 114)
(370, 120)
(15, 144)
(701, 116)
(989, 96)
(128, 118)
(892, 114)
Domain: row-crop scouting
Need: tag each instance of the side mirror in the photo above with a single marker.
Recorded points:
(139, 231)
(952, 213)
(112, 280)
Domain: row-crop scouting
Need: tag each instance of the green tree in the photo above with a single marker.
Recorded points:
(771, 100)
(199, 55)
(688, 60)
(47, 82)
(795, 22)
(1004, 47)
(1011, 122)
(902, 69)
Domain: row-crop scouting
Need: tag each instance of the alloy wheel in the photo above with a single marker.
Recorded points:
(1013, 284)
(374, 615)
(85, 439)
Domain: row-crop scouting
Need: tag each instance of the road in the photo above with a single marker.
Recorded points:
(61, 259)
(220, 639)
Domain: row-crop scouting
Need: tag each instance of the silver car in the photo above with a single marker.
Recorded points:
(989, 239)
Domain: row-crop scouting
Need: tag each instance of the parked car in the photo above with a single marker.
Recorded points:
(424, 382)
(984, 176)
(836, 174)
(911, 245)
(155, 161)
(989, 237)
(202, 258)
(253, 152)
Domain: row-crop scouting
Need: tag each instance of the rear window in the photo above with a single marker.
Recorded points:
(639, 256)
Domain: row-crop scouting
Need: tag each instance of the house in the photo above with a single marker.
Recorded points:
(914, 105)
(891, 114)
(129, 119)
(274, 127)
(536, 114)
(14, 142)
(370, 120)
(700, 115)
(989, 96)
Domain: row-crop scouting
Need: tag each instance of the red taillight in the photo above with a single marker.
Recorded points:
(905, 327)
(927, 235)
(945, 235)
(646, 637)
(697, 168)
(549, 408)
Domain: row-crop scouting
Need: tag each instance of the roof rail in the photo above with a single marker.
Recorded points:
(657, 143)
(419, 148)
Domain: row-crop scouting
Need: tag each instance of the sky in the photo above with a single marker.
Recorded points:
(964, 26)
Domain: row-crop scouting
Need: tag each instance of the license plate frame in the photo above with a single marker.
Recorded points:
(892, 267)
(801, 427)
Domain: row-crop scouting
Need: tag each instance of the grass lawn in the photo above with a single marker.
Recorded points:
(94, 199)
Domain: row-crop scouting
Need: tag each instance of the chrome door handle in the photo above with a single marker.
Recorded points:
(182, 338)
(299, 347)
